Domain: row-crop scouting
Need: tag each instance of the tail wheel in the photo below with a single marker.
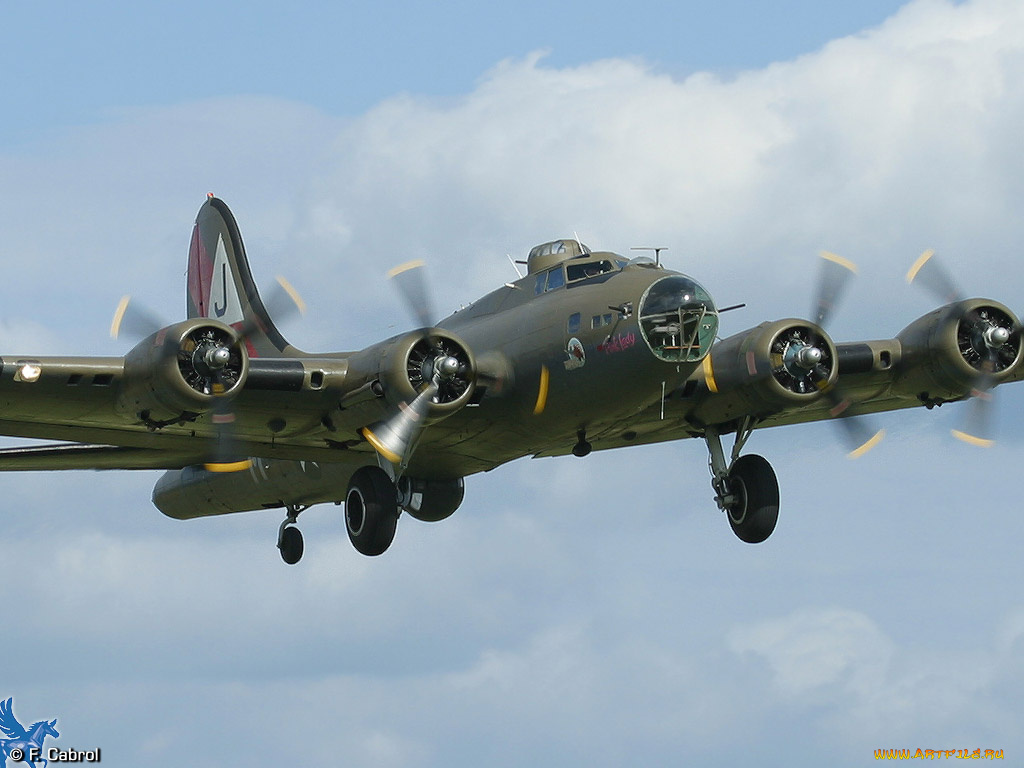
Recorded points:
(755, 510)
(371, 510)
(291, 545)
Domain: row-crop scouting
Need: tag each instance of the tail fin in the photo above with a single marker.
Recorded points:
(220, 285)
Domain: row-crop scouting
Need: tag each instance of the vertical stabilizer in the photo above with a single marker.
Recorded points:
(220, 284)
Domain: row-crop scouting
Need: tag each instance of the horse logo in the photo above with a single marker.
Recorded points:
(24, 744)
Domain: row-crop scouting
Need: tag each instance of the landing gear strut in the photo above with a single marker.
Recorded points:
(289, 538)
(746, 488)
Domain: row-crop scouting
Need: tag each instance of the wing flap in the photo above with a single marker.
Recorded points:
(54, 456)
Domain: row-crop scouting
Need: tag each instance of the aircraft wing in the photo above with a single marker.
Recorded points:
(86, 456)
(97, 407)
(225, 378)
(750, 380)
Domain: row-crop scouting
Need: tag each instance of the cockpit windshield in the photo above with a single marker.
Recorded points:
(678, 319)
(574, 271)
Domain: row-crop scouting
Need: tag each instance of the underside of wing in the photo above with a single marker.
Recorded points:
(55, 456)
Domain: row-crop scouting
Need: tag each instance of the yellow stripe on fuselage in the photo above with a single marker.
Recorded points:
(709, 375)
(542, 391)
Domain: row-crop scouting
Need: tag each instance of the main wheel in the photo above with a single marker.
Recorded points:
(371, 510)
(291, 545)
(755, 510)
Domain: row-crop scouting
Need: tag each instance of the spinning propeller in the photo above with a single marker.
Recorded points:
(438, 368)
(988, 340)
(833, 280)
(210, 361)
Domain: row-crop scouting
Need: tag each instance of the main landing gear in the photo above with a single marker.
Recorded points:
(371, 516)
(746, 488)
(371, 510)
(373, 503)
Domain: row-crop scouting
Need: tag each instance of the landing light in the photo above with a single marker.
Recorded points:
(28, 373)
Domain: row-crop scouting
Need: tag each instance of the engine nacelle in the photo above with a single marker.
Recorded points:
(763, 369)
(398, 369)
(178, 371)
(947, 351)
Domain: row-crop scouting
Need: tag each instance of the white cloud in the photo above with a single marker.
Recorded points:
(838, 668)
(811, 650)
(599, 610)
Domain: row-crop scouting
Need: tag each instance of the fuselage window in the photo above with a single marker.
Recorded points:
(541, 280)
(556, 278)
(573, 326)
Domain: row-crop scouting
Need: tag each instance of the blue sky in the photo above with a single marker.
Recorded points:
(595, 611)
(83, 62)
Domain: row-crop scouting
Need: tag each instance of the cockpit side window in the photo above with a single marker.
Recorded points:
(541, 281)
(587, 269)
(556, 278)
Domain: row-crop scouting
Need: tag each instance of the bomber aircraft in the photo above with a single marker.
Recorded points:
(589, 350)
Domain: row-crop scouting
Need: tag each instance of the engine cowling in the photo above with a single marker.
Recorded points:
(763, 369)
(397, 370)
(946, 352)
(177, 372)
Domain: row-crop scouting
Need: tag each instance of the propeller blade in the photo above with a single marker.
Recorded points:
(494, 371)
(857, 431)
(282, 303)
(832, 281)
(393, 438)
(929, 273)
(225, 456)
(410, 281)
(977, 429)
(134, 321)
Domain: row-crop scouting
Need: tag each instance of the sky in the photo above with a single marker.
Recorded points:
(592, 611)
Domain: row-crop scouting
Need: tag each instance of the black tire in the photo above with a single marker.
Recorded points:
(756, 511)
(371, 511)
(291, 545)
